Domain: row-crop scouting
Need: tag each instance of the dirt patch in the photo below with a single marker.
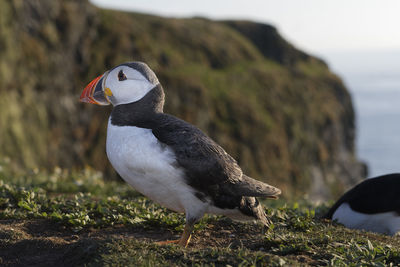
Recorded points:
(225, 233)
(33, 243)
(45, 243)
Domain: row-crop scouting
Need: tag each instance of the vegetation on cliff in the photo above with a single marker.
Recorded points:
(285, 117)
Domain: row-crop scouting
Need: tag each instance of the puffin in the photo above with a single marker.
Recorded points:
(372, 205)
(168, 160)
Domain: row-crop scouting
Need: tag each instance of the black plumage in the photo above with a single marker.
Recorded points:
(372, 196)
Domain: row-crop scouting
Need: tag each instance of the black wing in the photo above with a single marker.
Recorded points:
(205, 162)
(208, 167)
(376, 195)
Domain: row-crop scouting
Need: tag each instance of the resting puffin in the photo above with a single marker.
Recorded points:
(372, 205)
(167, 159)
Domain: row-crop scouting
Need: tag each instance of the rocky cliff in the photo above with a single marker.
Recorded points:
(280, 112)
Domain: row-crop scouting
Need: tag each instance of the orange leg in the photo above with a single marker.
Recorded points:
(185, 238)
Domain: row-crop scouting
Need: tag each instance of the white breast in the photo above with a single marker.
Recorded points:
(151, 168)
(386, 223)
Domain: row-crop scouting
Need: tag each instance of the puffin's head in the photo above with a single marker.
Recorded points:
(126, 83)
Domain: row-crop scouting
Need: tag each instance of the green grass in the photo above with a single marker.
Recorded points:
(110, 224)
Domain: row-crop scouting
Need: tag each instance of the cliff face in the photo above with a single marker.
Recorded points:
(285, 117)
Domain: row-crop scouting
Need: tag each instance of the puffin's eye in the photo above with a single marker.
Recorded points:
(121, 76)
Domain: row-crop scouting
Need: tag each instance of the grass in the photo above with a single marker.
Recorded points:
(77, 218)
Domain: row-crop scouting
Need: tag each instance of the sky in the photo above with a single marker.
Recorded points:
(316, 26)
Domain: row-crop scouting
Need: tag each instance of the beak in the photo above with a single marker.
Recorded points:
(94, 91)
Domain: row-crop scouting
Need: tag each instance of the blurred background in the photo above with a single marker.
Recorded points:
(358, 39)
(300, 93)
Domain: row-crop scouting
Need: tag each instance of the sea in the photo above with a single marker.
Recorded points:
(373, 79)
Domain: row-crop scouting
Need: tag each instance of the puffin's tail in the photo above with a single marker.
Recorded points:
(248, 186)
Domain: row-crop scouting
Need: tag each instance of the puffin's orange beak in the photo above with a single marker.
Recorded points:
(94, 92)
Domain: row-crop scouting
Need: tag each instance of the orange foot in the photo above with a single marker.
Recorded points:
(167, 242)
(185, 238)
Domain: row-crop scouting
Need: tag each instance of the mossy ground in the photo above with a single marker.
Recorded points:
(73, 218)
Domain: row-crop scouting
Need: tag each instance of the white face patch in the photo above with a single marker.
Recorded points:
(127, 85)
